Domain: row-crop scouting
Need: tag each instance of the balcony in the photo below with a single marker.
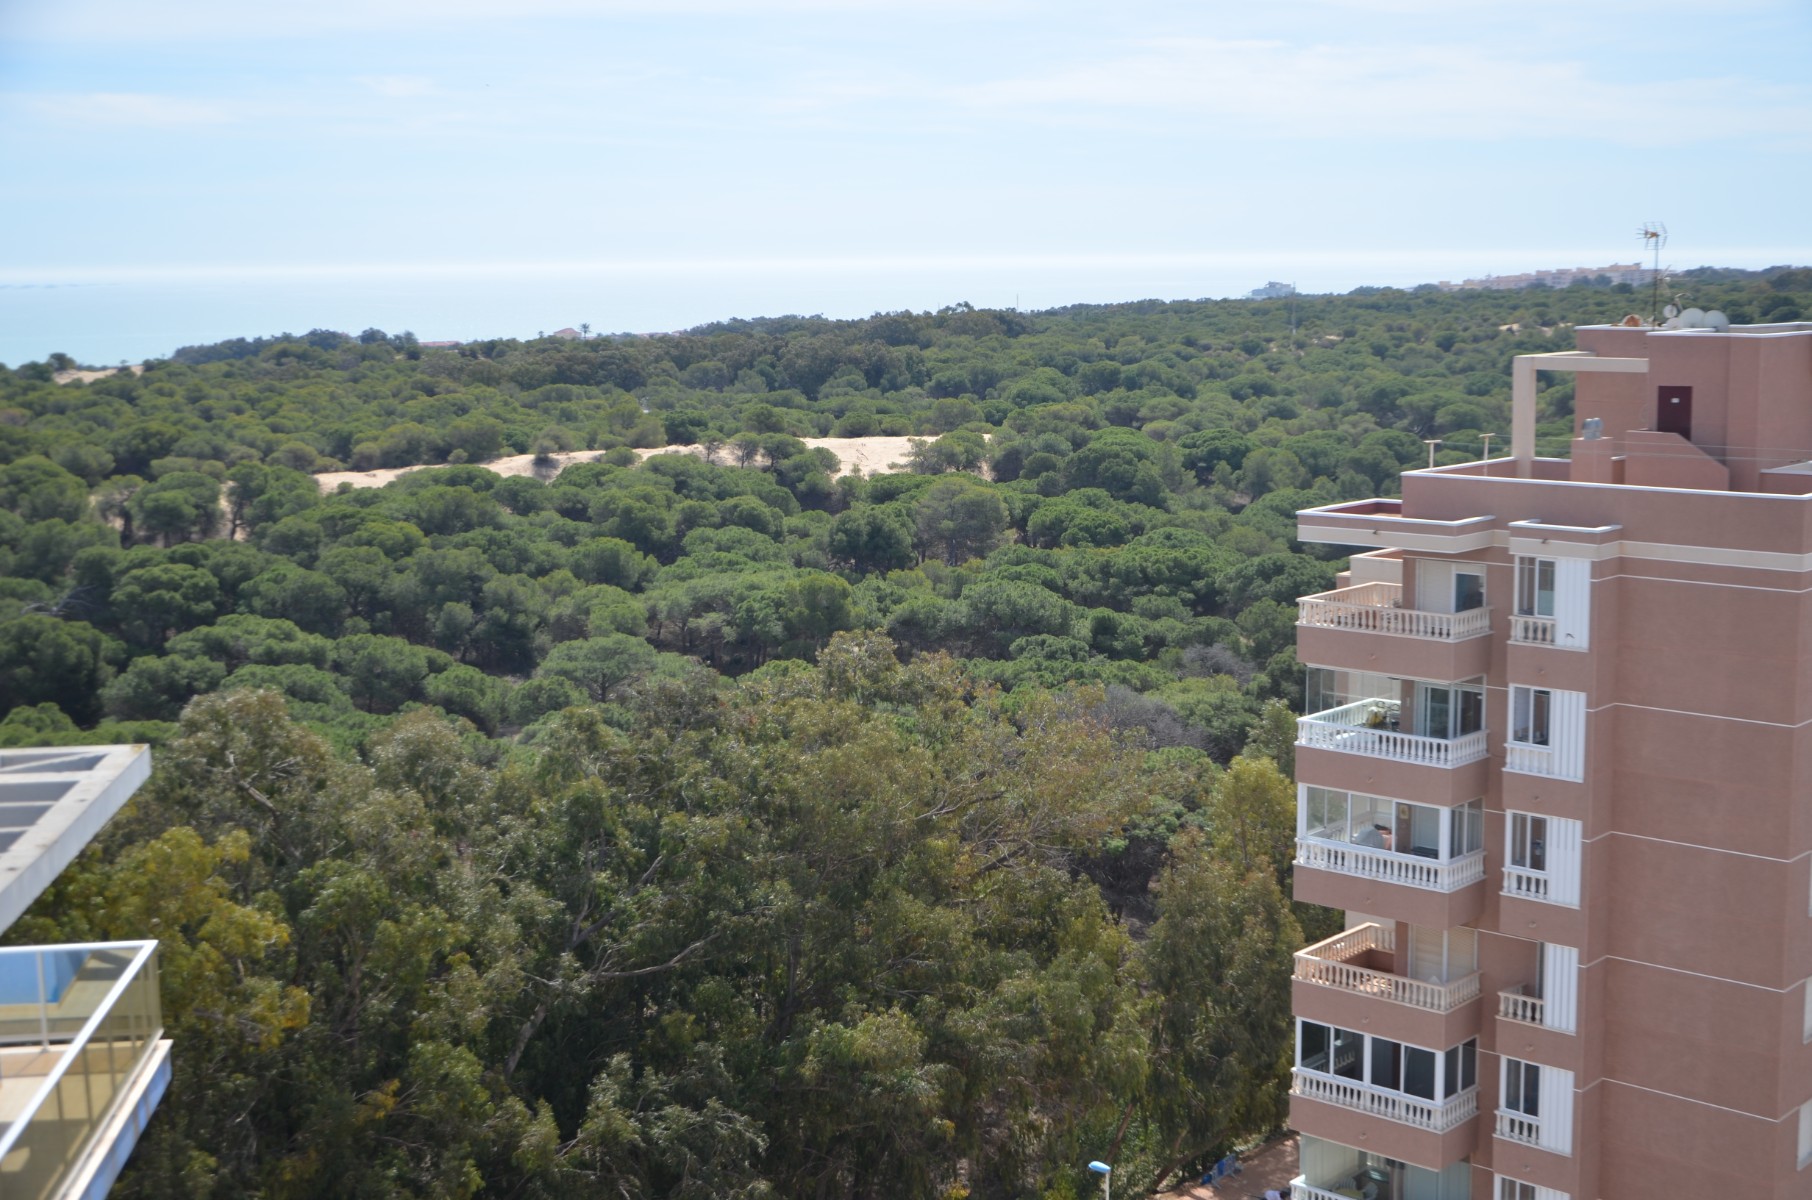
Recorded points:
(1518, 1127)
(1331, 963)
(79, 1045)
(1435, 1116)
(1369, 727)
(1378, 608)
(1525, 884)
(1515, 1005)
(1528, 759)
(1300, 1186)
(1385, 866)
(1532, 631)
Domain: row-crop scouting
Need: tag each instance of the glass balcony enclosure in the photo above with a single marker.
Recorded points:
(1419, 845)
(1409, 720)
(1331, 1171)
(1429, 1089)
(78, 1028)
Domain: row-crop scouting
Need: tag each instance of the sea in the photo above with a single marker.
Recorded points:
(106, 317)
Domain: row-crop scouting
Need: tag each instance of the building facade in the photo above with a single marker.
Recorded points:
(1556, 768)
(83, 1057)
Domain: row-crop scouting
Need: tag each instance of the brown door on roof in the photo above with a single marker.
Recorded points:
(1673, 411)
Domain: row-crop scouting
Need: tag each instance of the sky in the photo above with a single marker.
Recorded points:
(184, 172)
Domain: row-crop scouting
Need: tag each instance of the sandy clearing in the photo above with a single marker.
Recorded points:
(866, 454)
(90, 376)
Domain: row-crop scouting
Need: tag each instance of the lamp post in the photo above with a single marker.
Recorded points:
(1431, 444)
(1107, 1177)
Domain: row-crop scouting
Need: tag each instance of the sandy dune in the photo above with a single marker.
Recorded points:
(86, 376)
(866, 454)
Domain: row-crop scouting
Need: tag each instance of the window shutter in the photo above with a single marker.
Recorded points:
(1556, 1110)
(1566, 734)
(1560, 987)
(1564, 853)
(1572, 603)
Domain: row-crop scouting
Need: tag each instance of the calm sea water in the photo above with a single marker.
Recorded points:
(104, 320)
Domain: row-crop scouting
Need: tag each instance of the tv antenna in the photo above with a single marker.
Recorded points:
(1654, 236)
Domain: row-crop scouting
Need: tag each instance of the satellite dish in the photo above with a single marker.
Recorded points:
(1692, 318)
(1717, 320)
(1671, 311)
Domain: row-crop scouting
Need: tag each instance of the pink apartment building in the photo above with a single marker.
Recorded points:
(1557, 770)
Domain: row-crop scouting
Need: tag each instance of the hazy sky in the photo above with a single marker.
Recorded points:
(193, 169)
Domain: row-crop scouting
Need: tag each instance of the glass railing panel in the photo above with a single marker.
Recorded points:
(79, 1023)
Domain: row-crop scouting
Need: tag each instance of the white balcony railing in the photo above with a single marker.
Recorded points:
(1410, 870)
(1377, 608)
(1368, 727)
(1525, 884)
(77, 1025)
(1437, 1116)
(1534, 631)
(1518, 1127)
(1326, 963)
(1513, 1005)
(1530, 760)
(1302, 1189)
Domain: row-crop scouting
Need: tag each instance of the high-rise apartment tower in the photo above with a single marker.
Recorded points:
(1557, 770)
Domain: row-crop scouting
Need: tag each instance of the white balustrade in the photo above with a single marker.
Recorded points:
(1518, 1127)
(1534, 631)
(1364, 727)
(1437, 1116)
(1525, 884)
(1377, 608)
(1326, 963)
(1301, 1189)
(1410, 870)
(1530, 760)
(1513, 1005)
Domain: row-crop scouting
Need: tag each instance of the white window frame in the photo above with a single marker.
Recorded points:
(1529, 592)
(1524, 844)
(1458, 825)
(1532, 716)
(1461, 1065)
(1528, 1087)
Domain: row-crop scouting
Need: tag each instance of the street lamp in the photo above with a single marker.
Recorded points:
(1107, 1177)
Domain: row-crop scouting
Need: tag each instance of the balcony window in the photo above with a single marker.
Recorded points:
(1390, 839)
(1547, 733)
(1386, 1078)
(1522, 1088)
(1542, 858)
(1535, 1106)
(1466, 829)
(1332, 1171)
(1530, 710)
(1553, 602)
(1435, 723)
(1529, 842)
(1387, 1065)
(1534, 587)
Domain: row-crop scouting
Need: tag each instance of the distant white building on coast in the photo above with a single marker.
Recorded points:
(1634, 274)
(1272, 291)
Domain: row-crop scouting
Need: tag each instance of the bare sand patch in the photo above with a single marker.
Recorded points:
(81, 376)
(866, 454)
